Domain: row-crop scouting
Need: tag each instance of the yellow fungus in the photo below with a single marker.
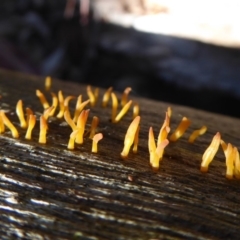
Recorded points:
(61, 104)
(236, 164)
(210, 152)
(31, 124)
(136, 139)
(47, 112)
(9, 125)
(72, 139)
(96, 94)
(136, 110)
(91, 95)
(81, 123)
(230, 157)
(165, 129)
(231, 154)
(2, 127)
(197, 133)
(29, 112)
(66, 102)
(43, 130)
(114, 106)
(106, 97)
(20, 114)
(48, 83)
(123, 111)
(125, 96)
(97, 137)
(169, 112)
(182, 127)
(42, 99)
(155, 152)
(68, 119)
(79, 107)
(94, 125)
(130, 136)
(54, 103)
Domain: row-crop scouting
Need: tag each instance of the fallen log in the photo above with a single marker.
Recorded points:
(50, 192)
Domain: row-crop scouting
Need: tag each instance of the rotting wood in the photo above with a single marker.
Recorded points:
(49, 192)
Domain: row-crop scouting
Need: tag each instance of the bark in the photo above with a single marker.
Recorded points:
(49, 192)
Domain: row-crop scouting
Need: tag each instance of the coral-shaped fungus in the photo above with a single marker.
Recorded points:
(210, 152)
(130, 137)
(97, 137)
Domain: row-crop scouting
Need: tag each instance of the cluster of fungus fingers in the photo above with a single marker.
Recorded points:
(92, 96)
(130, 137)
(210, 152)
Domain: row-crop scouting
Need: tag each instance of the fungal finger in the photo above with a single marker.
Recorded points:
(156, 156)
(224, 147)
(230, 155)
(182, 127)
(106, 97)
(29, 113)
(163, 140)
(96, 94)
(165, 129)
(197, 133)
(31, 124)
(66, 102)
(43, 130)
(136, 110)
(48, 83)
(236, 164)
(136, 139)
(169, 112)
(114, 106)
(2, 127)
(79, 107)
(129, 137)
(97, 137)
(42, 99)
(123, 111)
(210, 152)
(47, 112)
(151, 141)
(72, 138)
(9, 125)
(125, 96)
(94, 125)
(61, 104)
(91, 95)
(54, 103)
(20, 114)
(81, 123)
(68, 119)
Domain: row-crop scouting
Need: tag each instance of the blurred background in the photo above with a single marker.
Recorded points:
(180, 51)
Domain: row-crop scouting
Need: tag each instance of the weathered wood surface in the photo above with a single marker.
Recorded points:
(49, 192)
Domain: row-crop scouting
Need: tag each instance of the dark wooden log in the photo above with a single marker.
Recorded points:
(49, 192)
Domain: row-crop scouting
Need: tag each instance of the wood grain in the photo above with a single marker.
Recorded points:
(49, 192)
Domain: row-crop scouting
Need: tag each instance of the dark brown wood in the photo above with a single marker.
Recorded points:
(49, 192)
